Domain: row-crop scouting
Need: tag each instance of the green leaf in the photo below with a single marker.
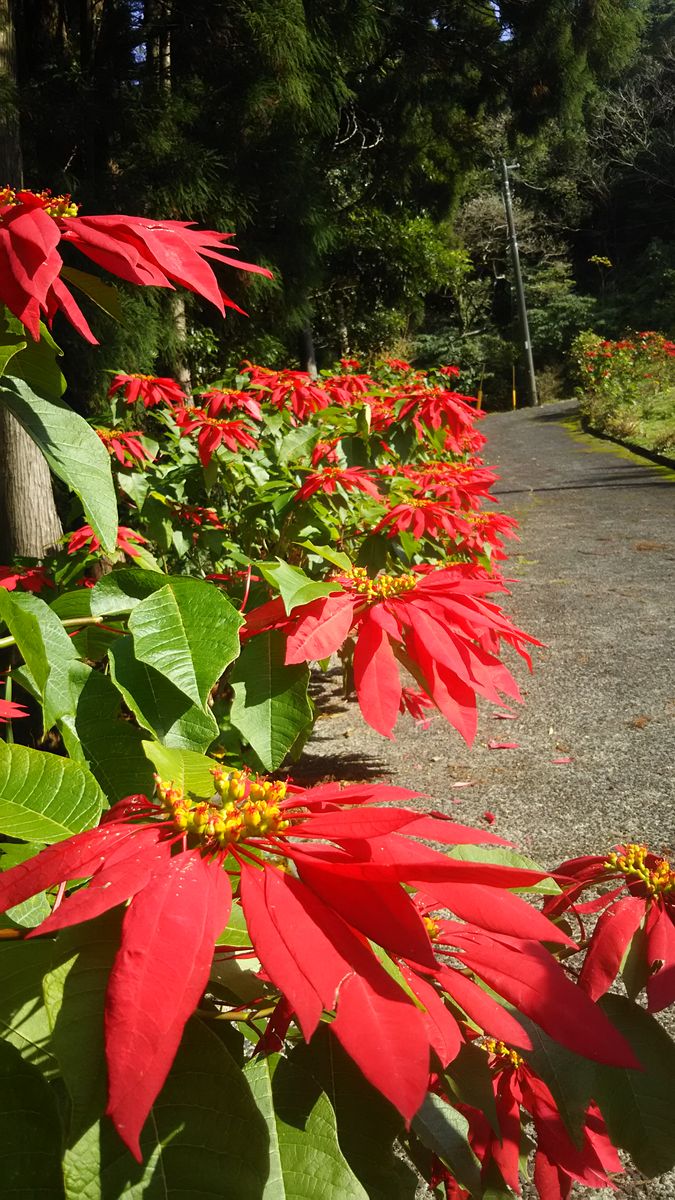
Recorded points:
(271, 708)
(23, 1017)
(73, 450)
(293, 585)
(469, 1078)
(638, 1105)
(297, 443)
(368, 1126)
(34, 362)
(91, 642)
(507, 858)
(74, 992)
(189, 632)
(30, 1163)
(45, 647)
(10, 344)
(329, 554)
(444, 1130)
(112, 747)
(157, 705)
(183, 768)
(121, 590)
(306, 1162)
(568, 1075)
(44, 797)
(104, 295)
(204, 1137)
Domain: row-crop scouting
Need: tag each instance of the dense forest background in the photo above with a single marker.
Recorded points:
(352, 145)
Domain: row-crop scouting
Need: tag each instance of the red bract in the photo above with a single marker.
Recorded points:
(433, 408)
(648, 907)
(84, 538)
(233, 434)
(293, 391)
(32, 580)
(125, 445)
(421, 518)
(463, 484)
(436, 624)
(450, 372)
(10, 711)
(138, 249)
(325, 452)
(310, 932)
(148, 388)
(558, 1162)
(195, 514)
(217, 401)
(349, 478)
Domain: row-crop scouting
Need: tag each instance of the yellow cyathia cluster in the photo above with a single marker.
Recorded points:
(54, 206)
(432, 927)
(632, 861)
(244, 806)
(501, 1050)
(383, 586)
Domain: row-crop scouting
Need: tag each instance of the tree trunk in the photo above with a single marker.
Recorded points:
(29, 522)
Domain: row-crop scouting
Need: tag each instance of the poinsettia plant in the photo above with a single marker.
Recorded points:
(217, 978)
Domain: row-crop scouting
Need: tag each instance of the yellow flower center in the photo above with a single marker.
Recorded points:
(631, 860)
(432, 927)
(501, 1050)
(54, 206)
(383, 586)
(244, 806)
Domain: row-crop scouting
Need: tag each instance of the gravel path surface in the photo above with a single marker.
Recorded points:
(595, 570)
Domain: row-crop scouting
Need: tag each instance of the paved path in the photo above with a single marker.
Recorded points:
(596, 581)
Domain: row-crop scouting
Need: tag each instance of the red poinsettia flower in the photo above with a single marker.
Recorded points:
(148, 388)
(345, 389)
(195, 514)
(85, 539)
(217, 401)
(126, 445)
(520, 1096)
(326, 452)
(349, 478)
(437, 624)
(138, 249)
(9, 711)
(643, 903)
(35, 579)
(417, 704)
(292, 391)
(433, 408)
(422, 518)
(397, 364)
(450, 372)
(464, 485)
(350, 364)
(214, 432)
(312, 928)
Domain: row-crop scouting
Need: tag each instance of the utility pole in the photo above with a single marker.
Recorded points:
(515, 258)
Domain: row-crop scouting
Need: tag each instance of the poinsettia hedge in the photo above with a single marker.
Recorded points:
(215, 980)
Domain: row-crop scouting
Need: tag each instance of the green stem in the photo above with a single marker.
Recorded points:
(79, 621)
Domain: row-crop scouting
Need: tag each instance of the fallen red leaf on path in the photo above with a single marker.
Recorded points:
(562, 760)
(489, 817)
(504, 716)
(493, 745)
